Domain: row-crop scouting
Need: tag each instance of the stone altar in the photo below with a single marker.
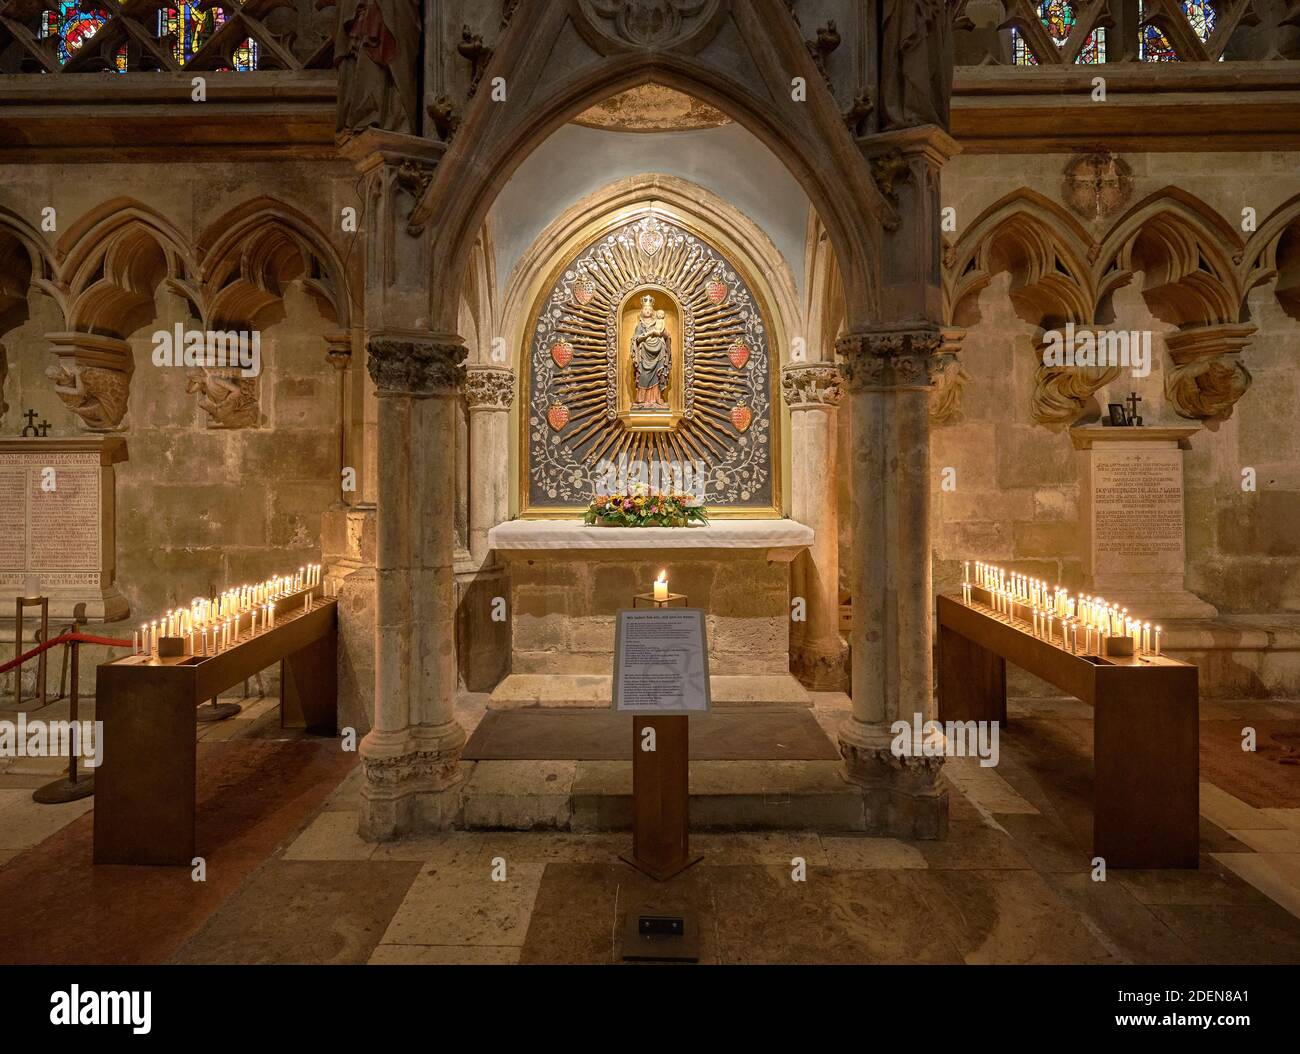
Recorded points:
(57, 528)
(568, 581)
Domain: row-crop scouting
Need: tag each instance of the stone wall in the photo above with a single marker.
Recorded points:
(565, 606)
(199, 507)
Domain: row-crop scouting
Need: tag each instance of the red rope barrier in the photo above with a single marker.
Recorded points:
(80, 638)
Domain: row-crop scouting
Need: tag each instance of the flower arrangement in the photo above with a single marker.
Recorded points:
(641, 507)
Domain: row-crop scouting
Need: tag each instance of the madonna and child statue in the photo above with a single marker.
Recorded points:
(652, 357)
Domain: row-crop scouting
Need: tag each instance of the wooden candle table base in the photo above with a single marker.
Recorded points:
(145, 785)
(1145, 732)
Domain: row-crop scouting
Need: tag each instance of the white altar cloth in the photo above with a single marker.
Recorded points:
(783, 538)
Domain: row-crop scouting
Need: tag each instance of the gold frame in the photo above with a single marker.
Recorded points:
(739, 261)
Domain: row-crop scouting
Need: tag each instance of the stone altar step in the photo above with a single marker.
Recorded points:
(582, 689)
(597, 796)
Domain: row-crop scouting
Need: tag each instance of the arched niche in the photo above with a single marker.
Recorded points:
(731, 251)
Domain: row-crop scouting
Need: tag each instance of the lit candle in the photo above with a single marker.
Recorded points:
(661, 586)
(271, 615)
(1157, 640)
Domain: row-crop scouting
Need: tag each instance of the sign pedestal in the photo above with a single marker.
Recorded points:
(661, 675)
(661, 797)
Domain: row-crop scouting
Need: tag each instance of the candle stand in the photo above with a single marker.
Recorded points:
(145, 787)
(1145, 727)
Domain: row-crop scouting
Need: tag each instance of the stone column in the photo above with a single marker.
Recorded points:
(411, 757)
(489, 391)
(888, 376)
(812, 392)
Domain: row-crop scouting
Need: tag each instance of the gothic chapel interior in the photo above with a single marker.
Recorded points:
(401, 400)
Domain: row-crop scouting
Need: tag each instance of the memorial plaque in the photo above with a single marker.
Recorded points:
(57, 524)
(1131, 490)
(1137, 512)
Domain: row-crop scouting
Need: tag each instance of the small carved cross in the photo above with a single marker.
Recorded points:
(1133, 400)
(30, 429)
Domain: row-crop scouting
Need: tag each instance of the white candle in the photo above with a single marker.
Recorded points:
(661, 586)
(1157, 640)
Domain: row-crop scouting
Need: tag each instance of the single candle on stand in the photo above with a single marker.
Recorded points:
(661, 586)
(1157, 640)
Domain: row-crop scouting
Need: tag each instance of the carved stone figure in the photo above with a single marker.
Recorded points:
(96, 395)
(915, 63)
(227, 398)
(652, 357)
(377, 52)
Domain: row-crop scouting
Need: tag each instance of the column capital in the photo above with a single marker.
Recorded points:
(902, 357)
(403, 364)
(812, 385)
(489, 387)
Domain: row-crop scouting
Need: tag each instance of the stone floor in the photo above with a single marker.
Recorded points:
(289, 880)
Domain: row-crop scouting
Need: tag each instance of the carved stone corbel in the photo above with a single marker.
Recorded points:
(92, 375)
(1207, 376)
(1064, 395)
(228, 398)
(950, 379)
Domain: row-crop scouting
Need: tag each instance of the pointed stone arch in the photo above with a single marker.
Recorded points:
(1273, 254)
(718, 55)
(1046, 251)
(1190, 259)
(250, 255)
(1044, 248)
(113, 262)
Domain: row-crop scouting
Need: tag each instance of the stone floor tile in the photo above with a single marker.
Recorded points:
(299, 911)
(1009, 917)
(762, 848)
(1221, 934)
(461, 904)
(331, 836)
(25, 823)
(443, 955)
(1233, 814)
(862, 853)
(972, 846)
(1276, 875)
(1270, 841)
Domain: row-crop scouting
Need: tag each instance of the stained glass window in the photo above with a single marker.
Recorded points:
(1154, 46)
(191, 26)
(244, 57)
(73, 27)
(1059, 18)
